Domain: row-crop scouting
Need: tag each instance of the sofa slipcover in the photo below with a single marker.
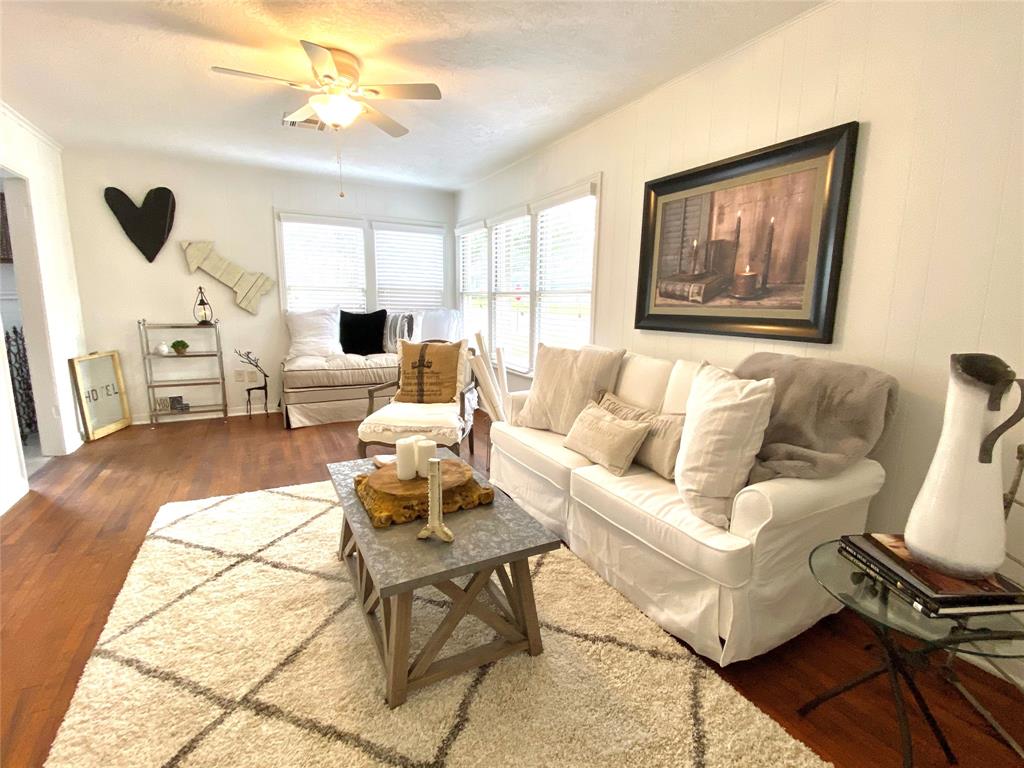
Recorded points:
(339, 370)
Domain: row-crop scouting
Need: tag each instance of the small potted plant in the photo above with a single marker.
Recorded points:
(180, 347)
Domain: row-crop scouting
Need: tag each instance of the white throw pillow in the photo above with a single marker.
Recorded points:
(724, 427)
(564, 381)
(317, 332)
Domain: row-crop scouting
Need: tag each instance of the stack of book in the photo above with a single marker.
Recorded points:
(932, 593)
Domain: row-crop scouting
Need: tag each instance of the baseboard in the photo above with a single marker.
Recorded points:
(142, 419)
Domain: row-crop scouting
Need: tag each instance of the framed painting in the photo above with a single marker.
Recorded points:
(749, 246)
(99, 392)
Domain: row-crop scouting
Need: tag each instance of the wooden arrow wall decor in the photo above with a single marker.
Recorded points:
(249, 287)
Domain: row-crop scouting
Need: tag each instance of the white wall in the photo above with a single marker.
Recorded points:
(232, 205)
(37, 214)
(933, 258)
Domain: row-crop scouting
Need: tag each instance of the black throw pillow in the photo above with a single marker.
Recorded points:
(363, 333)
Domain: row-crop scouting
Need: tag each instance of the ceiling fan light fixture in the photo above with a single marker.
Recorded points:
(335, 109)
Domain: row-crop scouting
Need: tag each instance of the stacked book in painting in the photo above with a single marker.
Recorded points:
(933, 593)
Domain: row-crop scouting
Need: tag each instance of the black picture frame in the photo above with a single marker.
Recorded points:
(742, 301)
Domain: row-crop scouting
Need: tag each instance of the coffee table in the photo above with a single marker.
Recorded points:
(492, 547)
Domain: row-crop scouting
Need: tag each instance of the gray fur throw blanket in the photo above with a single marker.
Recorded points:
(826, 416)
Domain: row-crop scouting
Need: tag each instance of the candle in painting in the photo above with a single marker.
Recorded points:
(768, 253)
(738, 223)
(744, 284)
(693, 257)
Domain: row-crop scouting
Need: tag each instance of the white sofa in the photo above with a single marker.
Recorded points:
(730, 594)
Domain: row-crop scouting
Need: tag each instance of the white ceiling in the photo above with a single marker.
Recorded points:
(514, 75)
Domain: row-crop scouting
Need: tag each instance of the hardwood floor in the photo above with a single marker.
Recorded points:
(66, 547)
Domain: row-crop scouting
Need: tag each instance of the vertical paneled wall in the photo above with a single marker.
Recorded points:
(933, 261)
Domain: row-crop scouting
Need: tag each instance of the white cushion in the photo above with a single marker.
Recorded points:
(340, 370)
(443, 324)
(539, 450)
(648, 507)
(315, 333)
(722, 433)
(642, 380)
(438, 421)
(677, 390)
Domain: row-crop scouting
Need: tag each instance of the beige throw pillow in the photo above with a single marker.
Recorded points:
(429, 372)
(606, 439)
(564, 381)
(661, 446)
(724, 427)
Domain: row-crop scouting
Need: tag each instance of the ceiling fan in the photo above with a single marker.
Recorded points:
(338, 97)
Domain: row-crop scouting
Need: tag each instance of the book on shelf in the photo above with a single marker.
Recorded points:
(931, 592)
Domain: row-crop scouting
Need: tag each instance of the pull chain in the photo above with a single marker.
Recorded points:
(341, 181)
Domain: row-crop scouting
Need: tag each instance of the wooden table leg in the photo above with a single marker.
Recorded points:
(399, 628)
(527, 606)
(345, 543)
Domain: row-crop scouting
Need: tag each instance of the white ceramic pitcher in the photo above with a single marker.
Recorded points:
(957, 524)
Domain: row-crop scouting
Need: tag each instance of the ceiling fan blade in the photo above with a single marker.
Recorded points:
(402, 91)
(387, 124)
(322, 61)
(255, 76)
(302, 113)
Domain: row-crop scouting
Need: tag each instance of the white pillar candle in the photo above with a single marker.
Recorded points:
(405, 449)
(425, 451)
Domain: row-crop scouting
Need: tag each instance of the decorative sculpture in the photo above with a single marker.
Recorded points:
(148, 225)
(249, 287)
(957, 524)
(435, 526)
(249, 359)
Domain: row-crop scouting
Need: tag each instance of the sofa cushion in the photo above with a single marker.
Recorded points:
(314, 333)
(362, 333)
(538, 449)
(677, 391)
(649, 508)
(339, 371)
(607, 439)
(642, 380)
(722, 432)
(661, 446)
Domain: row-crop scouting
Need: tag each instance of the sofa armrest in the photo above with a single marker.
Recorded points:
(514, 402)
(787, 500)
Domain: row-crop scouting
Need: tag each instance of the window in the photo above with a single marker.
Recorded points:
(410, 267)
(471, 253)
(324, 263)
(360, 265)
(565, 264)
(510, 259)
(529, 279)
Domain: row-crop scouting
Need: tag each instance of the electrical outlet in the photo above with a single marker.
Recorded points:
(240, 376)
(250, 376)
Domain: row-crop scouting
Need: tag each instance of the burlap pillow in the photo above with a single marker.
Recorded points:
(606, 439)
(661, 446)
(428, 372)
(564, 381)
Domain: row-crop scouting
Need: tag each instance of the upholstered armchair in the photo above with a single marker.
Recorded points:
(446, 423)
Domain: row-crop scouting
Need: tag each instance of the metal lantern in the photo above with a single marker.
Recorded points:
(202, 311)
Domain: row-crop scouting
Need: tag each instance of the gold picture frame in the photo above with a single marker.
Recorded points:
(99, 393)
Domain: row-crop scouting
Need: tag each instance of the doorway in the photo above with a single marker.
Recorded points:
(12, 317)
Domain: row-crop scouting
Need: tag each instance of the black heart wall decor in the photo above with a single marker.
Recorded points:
(148, 226)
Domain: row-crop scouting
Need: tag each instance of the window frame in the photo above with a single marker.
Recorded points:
(591, 186)
(366, 223)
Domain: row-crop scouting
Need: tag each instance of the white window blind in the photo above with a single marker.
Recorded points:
(565, 264)
(324, 264)
(471, 253)
(510, 256)
(410, 267)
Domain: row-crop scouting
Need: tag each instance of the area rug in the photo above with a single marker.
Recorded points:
(236, 641)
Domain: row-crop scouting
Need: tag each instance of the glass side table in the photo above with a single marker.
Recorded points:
(994, 636)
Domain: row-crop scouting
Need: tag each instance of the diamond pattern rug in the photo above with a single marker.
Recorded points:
(236, 641)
